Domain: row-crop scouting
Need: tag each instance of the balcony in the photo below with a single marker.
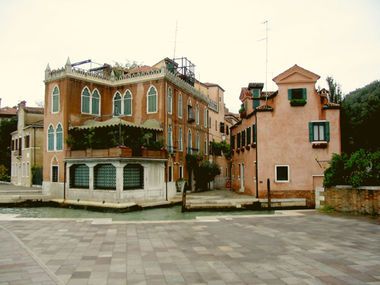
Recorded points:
(115, 152)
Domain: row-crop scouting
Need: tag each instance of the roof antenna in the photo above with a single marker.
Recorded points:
(266, 61)
(175, 37)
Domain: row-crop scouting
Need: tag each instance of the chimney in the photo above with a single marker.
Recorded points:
(22, 104)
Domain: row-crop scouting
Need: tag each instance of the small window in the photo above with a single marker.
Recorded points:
(54, 173)
(282, 173)
(221, 127)
(152, 100)
(297, 96)
(170, 174)
(180, 172)
(319, 131)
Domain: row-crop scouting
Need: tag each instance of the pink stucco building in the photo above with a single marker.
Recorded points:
(287, 136)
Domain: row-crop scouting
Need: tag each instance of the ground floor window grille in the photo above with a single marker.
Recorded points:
(133, 177)
(54, 173)
(105, 177)
(79, 176)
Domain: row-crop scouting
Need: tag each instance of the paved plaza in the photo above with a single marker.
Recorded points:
(308, 248)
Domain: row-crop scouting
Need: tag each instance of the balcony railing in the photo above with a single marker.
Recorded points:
(113, 152)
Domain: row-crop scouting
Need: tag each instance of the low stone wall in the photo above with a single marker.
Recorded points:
(362, 200)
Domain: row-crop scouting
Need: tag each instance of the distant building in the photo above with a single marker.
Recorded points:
(287, 136)
(27, 144)
(7, 112)
(120, 135)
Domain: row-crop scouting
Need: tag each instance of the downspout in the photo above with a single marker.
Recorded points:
(64, 181)
(257, 158)
(166, 128)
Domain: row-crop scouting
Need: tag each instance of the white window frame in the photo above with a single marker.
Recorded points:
(55, 138)
(81, 101)
(180, 106)
(197, 114)
(100, 102)
(54, 159)
(170, 100)
(147, 101)
(180, 140)
(47, 139)
(190, 142)
(52, 100)
(275, 173)
(205, 117)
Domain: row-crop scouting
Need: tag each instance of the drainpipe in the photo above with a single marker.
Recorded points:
(257, 158)
(165, 131)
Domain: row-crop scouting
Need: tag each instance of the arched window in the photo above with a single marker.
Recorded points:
(170, 139)
(198, 143)
(117, 104)
(127, 103)
(133, 177)
(86, 101)
(170, 100)
(180, 105)
(95, 103)
(59, 137)
(152, 100)
(189, 142)
(197, 115)
(50, 138)
(55, 100)
(205, 118)
(180, 144)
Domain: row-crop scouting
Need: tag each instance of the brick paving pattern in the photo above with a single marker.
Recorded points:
(309, 249)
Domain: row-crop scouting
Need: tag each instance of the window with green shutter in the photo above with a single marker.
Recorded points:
(55, 100)
(319, 131)
(243, 138)
(59, 137)
(51, 138)
(105, 177)
(95, 103)
(232, 140)
(85, 101)
(79, 176)
(128, 103)
(254, 133)
(133, 177)
(256, 96)
(297, 96)
(249, 131)
(238, 140)
(152, 100)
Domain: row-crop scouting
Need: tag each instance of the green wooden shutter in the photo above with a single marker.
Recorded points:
(327, 131)
(256, 103)
(254, 133)
(289, 94)
(311, 132)
(304, 93)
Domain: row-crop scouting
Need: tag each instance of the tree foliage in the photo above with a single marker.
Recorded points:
(360, 117)
(335, 90)
(7, 126)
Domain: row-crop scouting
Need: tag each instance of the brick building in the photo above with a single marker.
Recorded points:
(121, 134)
(287, 136)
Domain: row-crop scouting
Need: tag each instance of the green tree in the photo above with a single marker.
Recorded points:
(360, 117)
(7, 126)
(335, 90)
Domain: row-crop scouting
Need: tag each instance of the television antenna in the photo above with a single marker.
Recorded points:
(175, 38)
(266, 59)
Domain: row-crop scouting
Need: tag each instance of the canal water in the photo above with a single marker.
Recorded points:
(157, 214)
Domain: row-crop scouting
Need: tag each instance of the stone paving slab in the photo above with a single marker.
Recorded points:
(287, 249)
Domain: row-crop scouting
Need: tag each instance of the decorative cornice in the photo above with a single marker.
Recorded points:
(112, 81)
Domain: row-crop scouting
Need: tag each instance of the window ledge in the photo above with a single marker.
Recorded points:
(320, 144)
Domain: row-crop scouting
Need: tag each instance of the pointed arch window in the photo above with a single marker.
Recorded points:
(179, 106)
(51, 138)
(55, 100)
(152, 100)
(170, 140)
(180, 143)
(170, 100)
(59, 137)
(127, 102)
(95, 103)
(86, 101)
(117, 104)
(189, 142)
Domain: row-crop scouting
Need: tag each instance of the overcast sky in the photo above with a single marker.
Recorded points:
(340, 38)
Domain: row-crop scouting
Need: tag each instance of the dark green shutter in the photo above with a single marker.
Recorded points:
(289, 94)
(256, 103)
(327, 131)
(254, 133)
(311, 132)
(304, 93)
